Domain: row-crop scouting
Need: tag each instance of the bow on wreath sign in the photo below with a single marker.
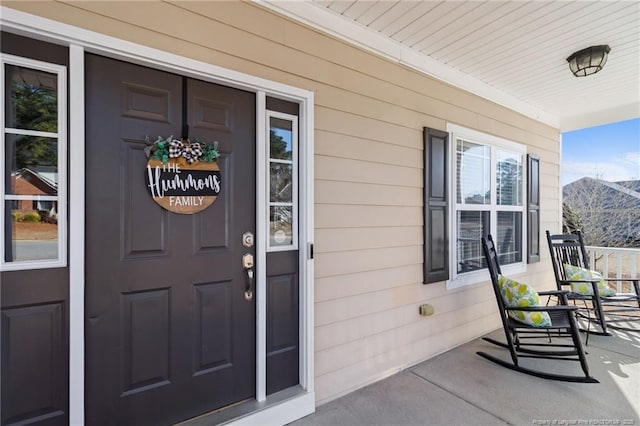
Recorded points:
(183, 176)
(191, 151)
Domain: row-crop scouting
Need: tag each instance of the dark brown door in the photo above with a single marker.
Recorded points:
(169, 333)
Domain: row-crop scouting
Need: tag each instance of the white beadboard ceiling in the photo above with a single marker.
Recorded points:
(511, 52)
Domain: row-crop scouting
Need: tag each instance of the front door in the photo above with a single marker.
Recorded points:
(170, 333)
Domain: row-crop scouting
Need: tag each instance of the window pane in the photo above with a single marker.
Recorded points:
(509, 179)
(281, 226)
(509, 238)
(473, 173)
(30, 236)
(33, 100)
(281, 182)
(281, 135)
(471, 226)
(31, 165)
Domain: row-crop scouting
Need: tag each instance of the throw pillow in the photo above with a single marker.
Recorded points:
(585, 288)
(516, 294)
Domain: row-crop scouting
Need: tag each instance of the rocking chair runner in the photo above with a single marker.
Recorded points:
(528, 341)
(607, 310)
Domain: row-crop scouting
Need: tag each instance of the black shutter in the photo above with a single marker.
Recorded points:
(533, 209)
(436, 206)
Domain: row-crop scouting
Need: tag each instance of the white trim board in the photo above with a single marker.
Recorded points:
(81, 41)
(76, 234)
(330, 23)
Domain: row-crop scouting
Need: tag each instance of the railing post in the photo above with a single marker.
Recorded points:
(619, 271)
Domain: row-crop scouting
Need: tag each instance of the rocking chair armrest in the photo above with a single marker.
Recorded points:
(553, 292)
(583, 280)
(634, 280)
(554, 308)
(562, 295)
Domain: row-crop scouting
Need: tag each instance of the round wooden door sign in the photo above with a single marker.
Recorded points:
(181, 187)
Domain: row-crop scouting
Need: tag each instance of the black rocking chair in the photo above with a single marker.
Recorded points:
(608, 311)
(527, 341)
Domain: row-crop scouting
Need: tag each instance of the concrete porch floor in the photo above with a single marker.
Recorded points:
(459, 387)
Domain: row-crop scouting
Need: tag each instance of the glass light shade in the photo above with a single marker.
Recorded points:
(588, 61)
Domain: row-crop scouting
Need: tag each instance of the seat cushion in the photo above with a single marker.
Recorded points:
(517, 295)
(585, 288)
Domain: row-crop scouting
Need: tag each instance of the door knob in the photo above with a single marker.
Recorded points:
(247, 264)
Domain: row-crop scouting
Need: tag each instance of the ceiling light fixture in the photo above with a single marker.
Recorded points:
(588, 61)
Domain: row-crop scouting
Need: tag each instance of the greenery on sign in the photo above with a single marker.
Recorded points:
(209, 152)
(160, 150)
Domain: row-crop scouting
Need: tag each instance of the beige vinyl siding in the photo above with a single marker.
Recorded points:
(369, 117)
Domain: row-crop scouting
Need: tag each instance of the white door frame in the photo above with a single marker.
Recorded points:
(81, 41)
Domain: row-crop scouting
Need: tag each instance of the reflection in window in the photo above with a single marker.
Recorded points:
(33, 99)
(472, 173)
(489, 185)
(33, 164)
(509, 236)
(281, 226)
(281, 139)
(281, 182)
(32, 160)
(34, 236)
(283, 171)
(509, 178)
(472, 226)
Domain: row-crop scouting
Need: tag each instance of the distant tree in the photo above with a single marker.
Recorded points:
(281, 174)
(607, 213)
(34, 108)
(278, 147)
(509, 188)
(571, 221)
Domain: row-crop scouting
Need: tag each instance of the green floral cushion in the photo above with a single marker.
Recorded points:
(515, 294)
(585, 288)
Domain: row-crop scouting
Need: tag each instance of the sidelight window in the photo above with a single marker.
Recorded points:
(33, 161)
(282, 181)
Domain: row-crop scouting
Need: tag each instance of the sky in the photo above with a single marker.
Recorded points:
(610, 152)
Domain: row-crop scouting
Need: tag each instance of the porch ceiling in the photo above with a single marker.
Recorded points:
(511, 52)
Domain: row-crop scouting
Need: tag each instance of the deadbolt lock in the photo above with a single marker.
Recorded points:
(247, 239)
(247, 261)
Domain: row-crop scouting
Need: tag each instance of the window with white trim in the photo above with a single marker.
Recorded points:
(488, 186)
(282, 181)
(33, 161)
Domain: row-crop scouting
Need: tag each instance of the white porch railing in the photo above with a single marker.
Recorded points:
(614, 262)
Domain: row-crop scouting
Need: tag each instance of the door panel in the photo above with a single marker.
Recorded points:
(169, 334)
(283, 349)
(145, 227)
(34, 361)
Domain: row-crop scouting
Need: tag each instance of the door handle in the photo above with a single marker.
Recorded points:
(247, 264)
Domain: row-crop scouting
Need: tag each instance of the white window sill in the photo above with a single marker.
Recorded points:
(32, 264)
(482, 276)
